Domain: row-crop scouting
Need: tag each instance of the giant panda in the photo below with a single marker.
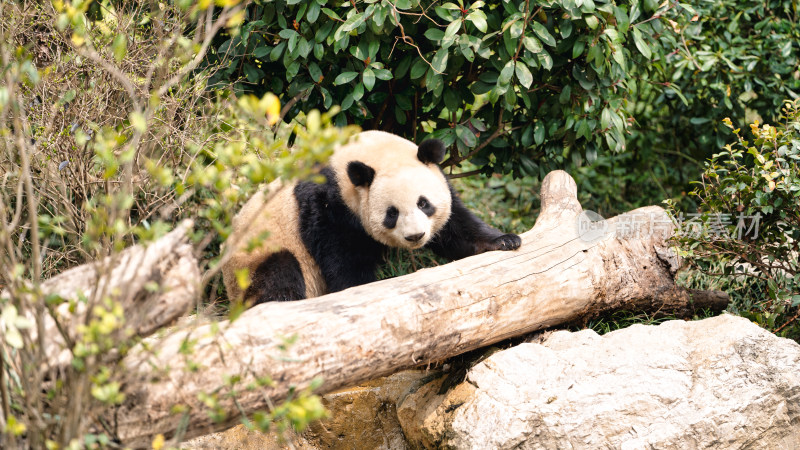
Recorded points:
(381, 191)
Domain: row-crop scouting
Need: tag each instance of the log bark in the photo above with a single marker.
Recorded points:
(154, 285)
(566, 270)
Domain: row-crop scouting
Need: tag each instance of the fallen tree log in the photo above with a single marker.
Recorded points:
(154, 285)
(568, 268)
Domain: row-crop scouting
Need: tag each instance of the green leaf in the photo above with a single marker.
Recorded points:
(641, 44)
(434, 34)
(524, 74)
(261, 52)
(451, 100)
(373, 47)
(478, 18)
(619, 57)
(595, 54)
(347, 102)
(324, 31)
(252, 73)
(538, 132)
(287, 33)
(120, 47)
(313, 12)
(292, 70)
(439, 62)
(532, 44)
(368, 77)
(515, 31)
(451, 30)
(577, 48)
(358, 91)
(623, 22)
(466, 136)
(506, 73)
(353, 22)
(566, 28)
(383, 74)
(545, 60)
(331, 13)
(418, 68)
(543, 34)
(276, 52)
(315, 72)
(344, 77)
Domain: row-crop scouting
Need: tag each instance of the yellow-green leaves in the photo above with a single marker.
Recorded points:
(14, 427)
(12, 323)
(138, 121)
(120, 47)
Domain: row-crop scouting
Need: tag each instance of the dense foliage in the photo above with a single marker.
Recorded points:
(733, 58)
(515, 86)
(736, 59)
(747, 230)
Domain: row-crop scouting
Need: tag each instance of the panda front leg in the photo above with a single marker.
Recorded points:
(277, 278)
(465, 234)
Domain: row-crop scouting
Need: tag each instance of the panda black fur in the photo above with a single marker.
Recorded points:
(381, 191)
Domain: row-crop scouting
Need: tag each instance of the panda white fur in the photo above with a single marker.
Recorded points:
(381, 191)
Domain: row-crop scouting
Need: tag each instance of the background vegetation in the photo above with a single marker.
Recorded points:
(119, 118)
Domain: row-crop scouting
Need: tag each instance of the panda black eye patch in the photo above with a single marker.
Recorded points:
(390, 220)
(426, 207)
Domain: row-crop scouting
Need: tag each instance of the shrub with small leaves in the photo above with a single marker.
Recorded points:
(108, 138)
(749, 221)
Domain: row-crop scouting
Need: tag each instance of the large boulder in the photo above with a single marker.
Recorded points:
(720, 383)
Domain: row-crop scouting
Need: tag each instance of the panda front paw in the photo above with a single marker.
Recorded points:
(507, 242)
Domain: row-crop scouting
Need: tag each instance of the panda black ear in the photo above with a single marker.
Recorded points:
(360, 174)
(431, 151)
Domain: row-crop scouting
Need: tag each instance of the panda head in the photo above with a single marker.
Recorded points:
(394, 187)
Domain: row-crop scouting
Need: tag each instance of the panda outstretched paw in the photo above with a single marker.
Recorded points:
(506, 242)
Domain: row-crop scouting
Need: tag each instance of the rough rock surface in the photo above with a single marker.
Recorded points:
(360, 417)
(719, 383)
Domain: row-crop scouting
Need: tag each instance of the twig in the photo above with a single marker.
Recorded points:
(409, 40)
(788, 322)
(289, 105)
(497, 132)
(463, 174)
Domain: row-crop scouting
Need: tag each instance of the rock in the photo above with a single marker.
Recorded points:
(365, 416)
(360, 417)
(240, 438)
(722, 382)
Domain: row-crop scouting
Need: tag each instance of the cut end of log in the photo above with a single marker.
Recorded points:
(559, 194)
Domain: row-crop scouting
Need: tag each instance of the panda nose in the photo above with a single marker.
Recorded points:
(415, 237)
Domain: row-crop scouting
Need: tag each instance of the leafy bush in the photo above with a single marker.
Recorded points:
(515, 86)
(736, 59)
(733, 58)
(108, 136)
(748, 226)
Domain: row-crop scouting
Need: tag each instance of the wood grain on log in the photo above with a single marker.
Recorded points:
(155, 285)
(563, 272)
